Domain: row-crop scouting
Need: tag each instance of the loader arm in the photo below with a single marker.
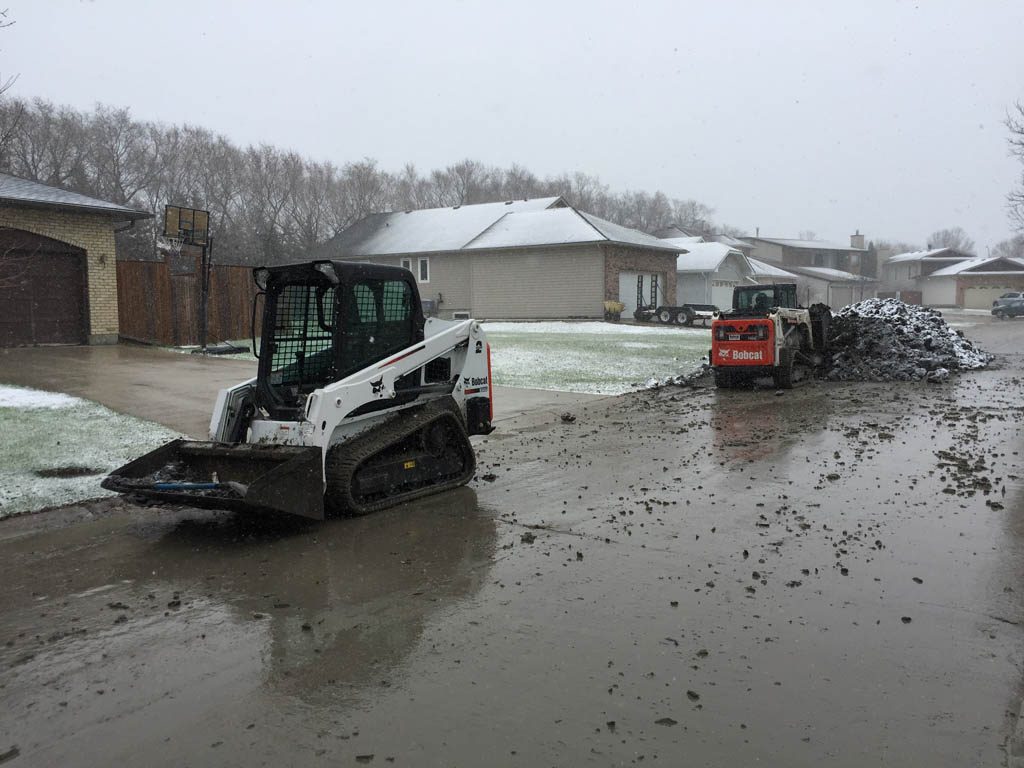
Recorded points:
(346, 408)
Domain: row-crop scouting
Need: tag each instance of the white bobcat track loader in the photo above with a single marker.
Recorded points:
(358, 404)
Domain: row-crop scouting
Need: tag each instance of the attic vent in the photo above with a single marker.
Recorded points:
(460, 315)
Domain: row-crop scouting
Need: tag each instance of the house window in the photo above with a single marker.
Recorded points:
(819, 259)
(424, 275)
(407, 264)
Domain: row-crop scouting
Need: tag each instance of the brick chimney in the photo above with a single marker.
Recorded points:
(857, 240)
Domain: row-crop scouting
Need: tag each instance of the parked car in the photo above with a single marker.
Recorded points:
(1007, 298)
(1010, 308)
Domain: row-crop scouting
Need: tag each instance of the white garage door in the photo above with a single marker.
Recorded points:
(628, 283)
(982, 298)
(721, 293)
(840, 296)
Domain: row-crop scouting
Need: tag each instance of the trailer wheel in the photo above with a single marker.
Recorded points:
(782, 376)
(665, 316)
(688, 318)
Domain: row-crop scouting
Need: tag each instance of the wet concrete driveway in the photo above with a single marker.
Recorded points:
(684, 577)
(179, 390)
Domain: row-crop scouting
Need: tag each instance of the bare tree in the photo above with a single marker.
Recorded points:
(365, 189)
(693, 215)
(1011, 248)
(5, 22)
(267, 204)
(122, 158)
(954, 237)
(1015, 199)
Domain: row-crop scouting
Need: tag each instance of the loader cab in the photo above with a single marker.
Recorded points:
(325, 320)
(760, 299)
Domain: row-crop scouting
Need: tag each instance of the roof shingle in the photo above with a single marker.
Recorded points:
(15, 191)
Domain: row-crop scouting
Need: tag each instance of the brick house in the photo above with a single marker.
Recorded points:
(514, 260)
(58, 272)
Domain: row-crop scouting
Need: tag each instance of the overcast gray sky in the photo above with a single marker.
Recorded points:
(788, 116)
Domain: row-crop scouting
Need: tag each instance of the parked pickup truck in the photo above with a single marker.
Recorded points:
(687, 314)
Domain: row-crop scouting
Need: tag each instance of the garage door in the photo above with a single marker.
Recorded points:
(839, 296)
(721, 293)
(982, 298)
(647, 282)
(42, 291)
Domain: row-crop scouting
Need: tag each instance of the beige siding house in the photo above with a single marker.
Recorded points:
(787, 252)
(905, 276)
(521, 259)
(58, 272)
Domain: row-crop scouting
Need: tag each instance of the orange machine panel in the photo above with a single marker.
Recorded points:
(742, 342)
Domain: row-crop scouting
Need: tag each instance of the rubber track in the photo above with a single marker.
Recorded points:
(344, 459)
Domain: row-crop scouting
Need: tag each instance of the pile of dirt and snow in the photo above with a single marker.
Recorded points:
(887, 340)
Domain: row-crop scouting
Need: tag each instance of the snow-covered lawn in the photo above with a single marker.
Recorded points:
(591, 357)
(56, 448)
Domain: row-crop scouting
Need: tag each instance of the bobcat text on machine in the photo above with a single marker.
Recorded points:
(358, 404)
(767, 333)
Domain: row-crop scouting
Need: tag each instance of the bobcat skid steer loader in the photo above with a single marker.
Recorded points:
(358, 404)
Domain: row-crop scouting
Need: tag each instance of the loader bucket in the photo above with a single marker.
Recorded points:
(240, 477)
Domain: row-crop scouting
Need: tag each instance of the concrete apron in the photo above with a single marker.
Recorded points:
(179, 390)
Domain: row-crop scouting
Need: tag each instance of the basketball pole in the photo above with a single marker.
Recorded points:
(204, 293)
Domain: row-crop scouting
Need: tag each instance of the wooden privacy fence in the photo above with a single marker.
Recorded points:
(159, 306)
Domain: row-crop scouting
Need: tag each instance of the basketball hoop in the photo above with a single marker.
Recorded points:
(170, 245)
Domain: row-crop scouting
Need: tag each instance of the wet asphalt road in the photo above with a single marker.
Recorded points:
(683, 577)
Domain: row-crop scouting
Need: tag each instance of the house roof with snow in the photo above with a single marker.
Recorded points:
(704, 257)
(514, 224)
(986, 265)
(814, 245)
(32, 194)
(674, 231)
(935, 254)
(764, 269)
(830, 275)
(734, 242)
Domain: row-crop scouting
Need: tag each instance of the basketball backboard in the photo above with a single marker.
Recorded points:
(192, 225)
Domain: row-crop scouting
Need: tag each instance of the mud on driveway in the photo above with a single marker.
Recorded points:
(832, 576)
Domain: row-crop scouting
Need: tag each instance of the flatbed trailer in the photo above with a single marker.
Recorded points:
(683, 314)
